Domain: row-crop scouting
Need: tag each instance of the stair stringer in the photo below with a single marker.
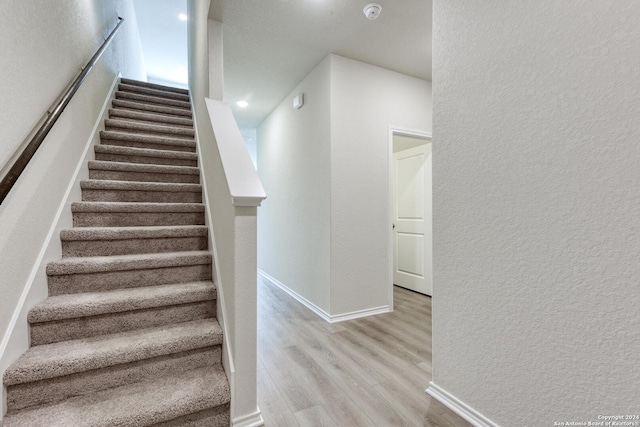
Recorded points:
(221, 312)
(231, 220)
(16, 339)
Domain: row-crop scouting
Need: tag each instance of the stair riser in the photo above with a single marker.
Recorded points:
(60, 388)
(141, 196)
(132, 219)
(149, 145)
(215, 417)
(108, 157)
(151, 108)
(143, 176)
(151, 118)
(153, 92)
(107, 281)
(153, 100)
(154, 86)
(85, 327)
(171, 132)
(85, 248)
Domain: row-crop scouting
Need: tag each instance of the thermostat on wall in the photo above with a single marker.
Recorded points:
(298, 101)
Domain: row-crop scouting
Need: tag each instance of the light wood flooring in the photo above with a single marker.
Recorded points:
(366, 372)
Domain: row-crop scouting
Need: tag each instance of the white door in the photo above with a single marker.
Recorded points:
(412, 219)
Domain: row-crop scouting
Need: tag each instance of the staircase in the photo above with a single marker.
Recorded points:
(128, 335)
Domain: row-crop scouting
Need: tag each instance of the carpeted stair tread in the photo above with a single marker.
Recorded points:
(119, 113)
(132, 207)
(138, 192)
(100, 241)
(145, 152)
(97, 184)
(142, 167)
(95, 303)
(139, 404)
(68, 357)
(131, 125)
(154, 108)
(154, 86)
(155, 100)
(100, 264)
(162, 93)
(132, 214)
(117, 233)
(144, 141)
(144, 155)
(128, 335)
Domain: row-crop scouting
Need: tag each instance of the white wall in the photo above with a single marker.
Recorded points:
(365, 101)
(216, 59)
(294, 166)
(232, 224)
(164, 40)
(536, 201)
(250, 137)
(43, 46)
(323, 231)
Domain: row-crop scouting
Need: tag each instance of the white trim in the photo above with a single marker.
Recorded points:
(360, 313)
(458, 406)
(242, 179)
(227, 354)
(317, 310)
(250, 420)
(302, 300)
(395, 130)
(17, 332)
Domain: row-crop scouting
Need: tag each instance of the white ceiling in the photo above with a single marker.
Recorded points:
(271, 45)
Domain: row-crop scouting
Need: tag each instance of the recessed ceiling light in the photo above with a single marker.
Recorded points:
(242, 104)
(182, 17)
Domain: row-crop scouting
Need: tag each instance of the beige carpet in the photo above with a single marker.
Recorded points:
(128, 335)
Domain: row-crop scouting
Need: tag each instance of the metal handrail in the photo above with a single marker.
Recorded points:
(50, 117)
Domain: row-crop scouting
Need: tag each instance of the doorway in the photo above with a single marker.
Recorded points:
(410, 210)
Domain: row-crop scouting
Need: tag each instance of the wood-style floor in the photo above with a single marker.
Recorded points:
(365, 372)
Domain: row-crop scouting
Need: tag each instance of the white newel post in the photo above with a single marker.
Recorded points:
(245, 408)
(234, 224)
(232, 193)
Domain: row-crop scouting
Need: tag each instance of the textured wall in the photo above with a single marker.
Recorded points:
(43, 46)
(365, 101)
(536, 199)
(323, 229)
(294, 166)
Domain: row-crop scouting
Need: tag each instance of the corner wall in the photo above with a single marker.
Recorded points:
(44, 45)
(324, 229)
(294, 166)
(536, 201)
(365, 101)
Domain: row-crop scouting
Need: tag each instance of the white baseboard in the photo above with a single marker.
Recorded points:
(320, 312)
(250, 420)
(360, 313)
(302, 300)
(459, 407)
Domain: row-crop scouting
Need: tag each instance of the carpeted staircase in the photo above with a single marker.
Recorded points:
(128, 335)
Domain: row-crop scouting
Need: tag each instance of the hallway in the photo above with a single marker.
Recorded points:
(370, 371)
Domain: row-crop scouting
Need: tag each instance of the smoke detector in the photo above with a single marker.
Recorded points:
(372, 10)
